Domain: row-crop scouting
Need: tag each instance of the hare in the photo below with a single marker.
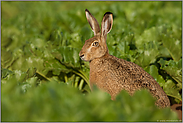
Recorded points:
(112, 74)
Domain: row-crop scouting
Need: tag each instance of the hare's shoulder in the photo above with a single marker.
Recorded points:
(121, 64)
(134, 75)
(130, 70)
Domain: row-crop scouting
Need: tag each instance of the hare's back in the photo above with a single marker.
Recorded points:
(119, 74)
(125, 75)
(131, 74)
(112, 75)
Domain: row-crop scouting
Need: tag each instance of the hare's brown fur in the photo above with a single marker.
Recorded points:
(112, 74)
(124, 75)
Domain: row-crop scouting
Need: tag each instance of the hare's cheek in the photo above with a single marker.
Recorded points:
(88, 57)
(94, 52)
(99, 52)
(89, 50)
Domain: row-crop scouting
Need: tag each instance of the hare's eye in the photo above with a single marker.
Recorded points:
(95, 44)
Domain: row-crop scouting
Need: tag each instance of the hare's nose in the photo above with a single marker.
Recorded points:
(82, 55)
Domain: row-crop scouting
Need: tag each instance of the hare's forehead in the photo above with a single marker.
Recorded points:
(91, 40)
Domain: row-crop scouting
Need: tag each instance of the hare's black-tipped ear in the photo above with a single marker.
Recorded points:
(93, 22)
(107, 22)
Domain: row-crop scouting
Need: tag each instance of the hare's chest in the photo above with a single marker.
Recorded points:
(105, 80)
(99, 78)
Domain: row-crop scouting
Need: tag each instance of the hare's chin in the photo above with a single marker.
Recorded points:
(83, 58)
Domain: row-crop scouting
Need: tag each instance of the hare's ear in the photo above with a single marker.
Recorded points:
(107, 22)
(93, 22)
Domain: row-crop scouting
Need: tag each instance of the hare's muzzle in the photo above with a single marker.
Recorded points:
(81, 56)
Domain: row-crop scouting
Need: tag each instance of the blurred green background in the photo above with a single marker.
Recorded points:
(43, 78)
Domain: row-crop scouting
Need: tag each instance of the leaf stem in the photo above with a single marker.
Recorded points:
(65, 77)
(176, 79)
(81, 84)
(80, 73)
(43, 76)
(174, 97)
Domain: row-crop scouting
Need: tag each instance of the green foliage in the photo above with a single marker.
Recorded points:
(52, 102)
(174, 69)
(42, 44)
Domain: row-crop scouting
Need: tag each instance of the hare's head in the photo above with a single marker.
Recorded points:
(96, 46)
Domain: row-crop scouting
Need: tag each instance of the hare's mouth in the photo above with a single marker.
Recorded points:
(82, 57)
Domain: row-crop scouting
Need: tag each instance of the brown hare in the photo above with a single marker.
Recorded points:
(112, 74)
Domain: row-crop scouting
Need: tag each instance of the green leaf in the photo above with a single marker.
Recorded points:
(149, 35)
(54, 66)
(174, 69)
(173, 45)
(148, 55)
(171, 90)
(6, 58)
(68, 56)
(153, 71)
(5, 73)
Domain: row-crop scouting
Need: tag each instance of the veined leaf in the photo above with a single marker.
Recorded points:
(68, 56)
(5, 73)
(173, 45)
(174, 69)
(171, 90)
(6, 58)
(54, 66)
(153, 71)
(148, 55)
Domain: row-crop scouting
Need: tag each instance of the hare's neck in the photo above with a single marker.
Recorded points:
(97, 66)
(97, 63)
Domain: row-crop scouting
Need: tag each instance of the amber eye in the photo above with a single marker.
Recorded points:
(95, 44)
